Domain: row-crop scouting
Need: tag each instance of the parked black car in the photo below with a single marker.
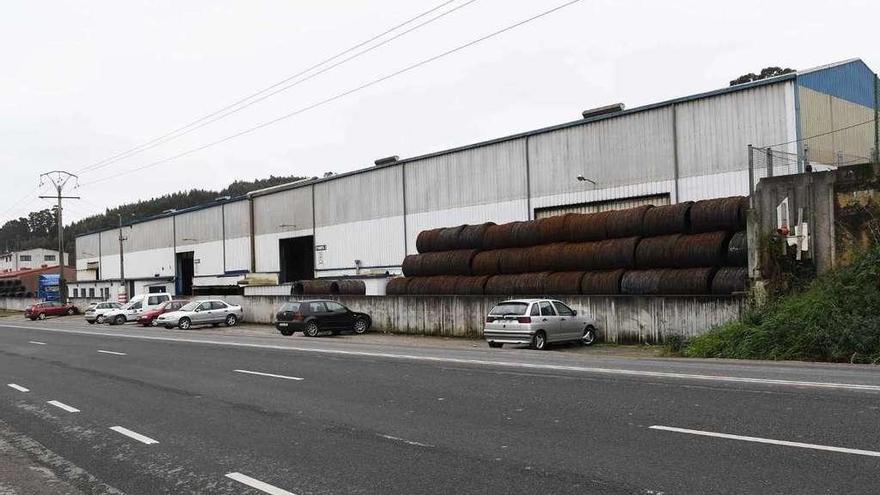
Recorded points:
(314, 316)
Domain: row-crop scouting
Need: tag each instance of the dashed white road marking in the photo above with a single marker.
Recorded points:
(18, 387)
(61, 405)
(112, 352)
(271, 375)
(134, 435)
(785, 443)
(259, 485)
(408, 442)
(36, 342)
(482, 362)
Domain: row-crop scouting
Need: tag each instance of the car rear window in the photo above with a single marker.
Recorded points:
(291, 306)
(509, 308)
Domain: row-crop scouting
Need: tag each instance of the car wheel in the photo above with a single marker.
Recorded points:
(71, 312)
(589, 337)
(311, 329)
(33, 318)
(361, 326)
(286, 332)
(231, 320)
(91, 322)
(184, 323)
(41, 316)
(539, 341)
(100, 319)
(169, 327)
(119, 320)
(496, 345)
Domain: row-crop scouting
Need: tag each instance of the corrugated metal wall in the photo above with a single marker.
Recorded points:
(821, 114)
(282, 211)
(154, 234)
(656, 200)
(374, 194)
(237, 218)
(194, 227)
(87, 249)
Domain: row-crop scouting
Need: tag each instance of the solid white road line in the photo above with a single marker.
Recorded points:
(131, 434)
(259, 485)
(843, 450)
(113, 352)
(61, 405)
(408, 442)
(484, 362)
(36, 342)
(18, 387)
(269, 375)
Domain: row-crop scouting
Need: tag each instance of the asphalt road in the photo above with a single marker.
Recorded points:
(113, 409)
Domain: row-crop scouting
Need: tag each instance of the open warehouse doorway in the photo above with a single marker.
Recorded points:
(297, 259)
(185, 272)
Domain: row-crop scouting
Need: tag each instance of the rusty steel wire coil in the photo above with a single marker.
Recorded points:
(545, 258)
(687, 281)
(527, 234)
(471, 236)
(487, 262)
(730, 279)
(397, 286)
(513, 260)
(626, 223)
(738, 250)
(317, 286)
(616, 253)
(439, 263)
(603, 282)
(431, 286)
(657, 252)
(642, 282)
(563, 283)
(471, 286)
(426, 241)
(553, 229)
(499, 236)
(668, 219)
(726, 214)
(447, 239)
(352, 287)
(578, 256)
(582, 227)
(522, 284)
(697, 250)
(412, 265)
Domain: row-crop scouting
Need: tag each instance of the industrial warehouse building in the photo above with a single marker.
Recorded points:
(365, 222)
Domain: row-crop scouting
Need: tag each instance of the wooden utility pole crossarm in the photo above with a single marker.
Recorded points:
(59, 179)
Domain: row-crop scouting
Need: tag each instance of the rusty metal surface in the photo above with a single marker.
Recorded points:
(657, 252)
(719, 214)
(698, 250)
(471, 286)
(553, 229)
(412, 264)
(578, 256)
(545, 258)
(523, 284)
(513, 260)
(397, 286)
(604, 282)
(313, 287)
(432, 286)
(527, 234)
(426, 241)
(730, 279)
(737, 250)
(687, 281)
(668, 219)
(471, 236)
(486, 262)
(642, 282)
(587, 226)
(563, 283)
(626, 223)
(500, 236)
(352, 287)
(439, 263)
(447, 239)
(616, 253)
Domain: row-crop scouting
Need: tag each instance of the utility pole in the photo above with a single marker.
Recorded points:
(59, 179)
(123, 294)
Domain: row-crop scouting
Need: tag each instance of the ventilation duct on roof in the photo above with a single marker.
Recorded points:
(387, 160)
(607, 109)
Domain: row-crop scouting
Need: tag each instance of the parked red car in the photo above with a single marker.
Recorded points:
(147, 318)
(49, 308)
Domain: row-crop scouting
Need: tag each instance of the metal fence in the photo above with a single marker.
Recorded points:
(769, 162)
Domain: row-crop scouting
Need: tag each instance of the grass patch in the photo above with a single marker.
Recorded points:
(836, 318)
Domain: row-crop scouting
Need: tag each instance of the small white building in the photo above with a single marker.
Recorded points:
(30, 259)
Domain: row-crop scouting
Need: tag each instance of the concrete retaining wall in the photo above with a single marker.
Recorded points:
(621, 318)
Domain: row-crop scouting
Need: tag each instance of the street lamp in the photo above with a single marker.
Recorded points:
(581, 178)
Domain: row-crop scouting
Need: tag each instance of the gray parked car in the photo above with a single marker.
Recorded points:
(537, 322)
(208, 312)
(97, 312)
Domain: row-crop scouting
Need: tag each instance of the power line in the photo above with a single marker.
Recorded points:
(819, 135)
(261, 94)
(337, 96)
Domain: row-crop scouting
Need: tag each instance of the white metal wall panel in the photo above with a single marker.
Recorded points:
(614, 152)
(149, 263)
(266, 246)
(822, 113)
(376, 243)
(155, 234)
(485, 175)
(238, 254)
(209, 256)
(199, 226)
(237, 218)
(109, 244)
(87, 250)
(717, 185)
(714, 133)
(377, 193)
(283, 211)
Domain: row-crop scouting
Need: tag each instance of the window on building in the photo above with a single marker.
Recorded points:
(49, 257)
(75, 293)
(91, 292)
(24, 257)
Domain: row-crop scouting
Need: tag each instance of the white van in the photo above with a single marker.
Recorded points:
(135, 307)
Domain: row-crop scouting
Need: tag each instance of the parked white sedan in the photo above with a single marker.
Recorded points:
(209, 312)
(537, 322)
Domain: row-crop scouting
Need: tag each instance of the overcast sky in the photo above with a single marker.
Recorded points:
(82, 81)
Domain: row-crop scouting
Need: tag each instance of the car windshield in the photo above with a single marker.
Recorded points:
(509, 308)
(190, 306)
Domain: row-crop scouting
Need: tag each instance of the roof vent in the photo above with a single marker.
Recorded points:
(607, 109)
(172, 210)
(387, 160)
(223, 198)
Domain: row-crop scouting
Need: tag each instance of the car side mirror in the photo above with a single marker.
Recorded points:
(198, 310)
(575, 312)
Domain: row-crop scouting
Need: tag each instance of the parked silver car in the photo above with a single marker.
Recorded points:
(537, 322)
(97, 312)
(207, 312)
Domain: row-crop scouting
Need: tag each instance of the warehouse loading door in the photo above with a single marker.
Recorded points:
(297, 259)
(185, 272)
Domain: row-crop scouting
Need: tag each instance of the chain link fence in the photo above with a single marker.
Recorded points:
(769, 162)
